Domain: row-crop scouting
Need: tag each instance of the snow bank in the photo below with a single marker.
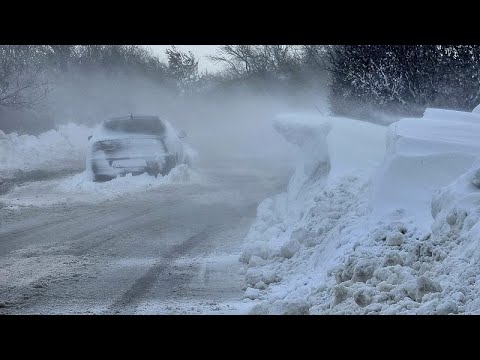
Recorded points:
(309, 134)
(53, 150)
(476, 110)
(320, 160)
(456, 211)
(82, 183)
(423, 155)
(81, 188)
(338, 255)
(352, 144)
(275, 215)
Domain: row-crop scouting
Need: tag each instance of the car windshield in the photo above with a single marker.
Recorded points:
(150, 126)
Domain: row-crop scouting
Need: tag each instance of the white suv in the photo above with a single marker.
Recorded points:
(134, 144)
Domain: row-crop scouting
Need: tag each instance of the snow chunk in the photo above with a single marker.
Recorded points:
(341, 293)
(364, 270)
(289, 248)
(363, 297)
(449, 307)
(395, 238)
(252, 293)
(286, 307)
(426, 285)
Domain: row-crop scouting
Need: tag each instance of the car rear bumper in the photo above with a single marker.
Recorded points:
(112, 167)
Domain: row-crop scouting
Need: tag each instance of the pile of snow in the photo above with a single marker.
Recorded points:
(314, 163)
(82, 183)
(423, 155)
(456, 210)
(81, 188)
(321, 161)
(61, 149)
(352, 144)
(337, 254)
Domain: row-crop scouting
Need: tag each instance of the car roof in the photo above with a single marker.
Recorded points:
(134, 117)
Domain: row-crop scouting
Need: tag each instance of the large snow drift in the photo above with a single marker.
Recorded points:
(352, 144)
(423, 155)
(337, 253)
(54, 150)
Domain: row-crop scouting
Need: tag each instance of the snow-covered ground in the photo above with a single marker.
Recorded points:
(54, 150)
(159, 246)
(81, 188)
(375, 220)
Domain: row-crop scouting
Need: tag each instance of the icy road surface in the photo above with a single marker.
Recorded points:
(169, 248)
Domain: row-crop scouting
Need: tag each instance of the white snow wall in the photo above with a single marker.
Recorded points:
(54, 150)
(423, 155)
(310, 135)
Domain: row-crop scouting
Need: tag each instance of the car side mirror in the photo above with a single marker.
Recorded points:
(182, 134)
(89, 137)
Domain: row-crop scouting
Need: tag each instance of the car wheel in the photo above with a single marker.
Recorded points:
(170, 163)
(99, 178)
(152, 168)
(153, 172)
(188, 161)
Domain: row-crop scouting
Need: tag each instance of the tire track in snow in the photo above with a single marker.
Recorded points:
(142, 285)
(16, 235)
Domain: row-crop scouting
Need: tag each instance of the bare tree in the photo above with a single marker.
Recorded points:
(238, 58)
(183, 68)
(404, 79)
(316, 55)
(259, 61)
(22, 81)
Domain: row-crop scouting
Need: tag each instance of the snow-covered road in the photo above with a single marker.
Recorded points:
(167, 249)
(374, 220)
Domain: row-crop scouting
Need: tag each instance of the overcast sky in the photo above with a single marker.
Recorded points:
(200, 52)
